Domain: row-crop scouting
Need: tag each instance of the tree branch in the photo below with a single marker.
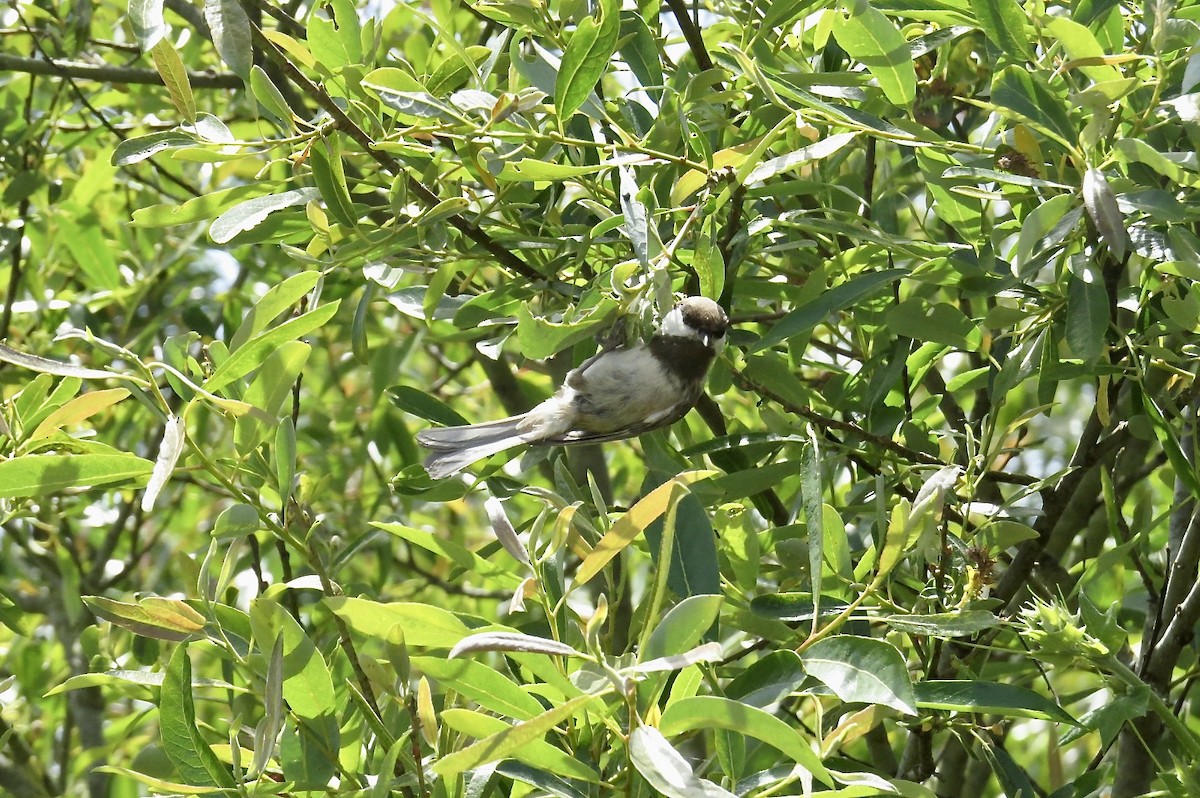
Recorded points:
(106, 73)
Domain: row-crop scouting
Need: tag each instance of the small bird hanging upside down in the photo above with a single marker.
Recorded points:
(617, 393)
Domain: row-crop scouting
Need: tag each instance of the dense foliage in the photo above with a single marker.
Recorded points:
(933, 531)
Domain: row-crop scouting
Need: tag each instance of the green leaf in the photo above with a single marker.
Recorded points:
(794, 607)
(1004, 23)
(181, 738)
(154, 617)
(252, 354)
(424, 624)
(79, 409)
(1030, 100)
(943, 624)
(650, 507)
(694, 568)
(146, 19)
(135, 150)
(585, 59)
(307, 684)
(1101, 206)
(666, 770)
(682, 627)
(198, 208)
(535, 753)
(640, 52)
(175, 78)
(873, 40)
(423, 405)
(939, 322)
(769, 680)
(481, 684)
(814, 518)
(540, 338)
(862, 670)
(505, 742)
(31, 475)
(268, 95)
(278, 300)
(230, 28)
(1008, 700)
(813, 152)
(253, 212)
(1080, 45)
(1088, 311)
(330, 177)
(707, 712)
(834, 300)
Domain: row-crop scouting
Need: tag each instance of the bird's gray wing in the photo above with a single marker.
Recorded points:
(663, 418)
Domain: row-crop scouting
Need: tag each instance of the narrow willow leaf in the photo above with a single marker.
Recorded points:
(253, 212)
(1009, 700)
(873, 40)
(1003, 21)
(230, 29)
(175, 78)
(423, 624)
(707, 712)
(862, 670)
(268, 95)
(813, 152)
(169, 450)
(1101, 206)
(535, 753)
(330, 177)
(1088, 311)
(135, 150)
(39, 474)
(634, 522)
(636, 226)
(254, 352)
(78, 409)
(278, 300)
(266, 734)
(181, 738)
(707, 652)
(835, 299)
(503, 743)
(943, 624)
(485, 686)
(146, 19)
(285, 458)
(586, 59)
(1032, 101)
(307, 684)
(666, 770)
(503, 529)
(154, 617)
(512, 641)
(683, 626)
(814, 519)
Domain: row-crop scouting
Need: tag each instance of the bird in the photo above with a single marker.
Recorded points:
(618, 393)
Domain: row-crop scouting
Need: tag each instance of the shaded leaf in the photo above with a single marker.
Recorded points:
(666, 771)
(253, 212)
(1009, 700)
(230, 28)
(181, 738)
(39, 474)
(862, 670)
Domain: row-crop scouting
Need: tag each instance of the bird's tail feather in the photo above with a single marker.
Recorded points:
(455, 448)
